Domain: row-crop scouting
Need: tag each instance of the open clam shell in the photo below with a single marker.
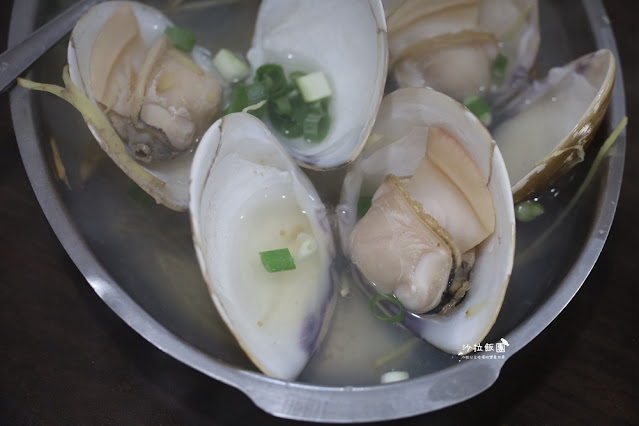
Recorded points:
(346, 40)
(173, 172)
(248, 196)
(548, 127)
(397, 145)
(463, 47)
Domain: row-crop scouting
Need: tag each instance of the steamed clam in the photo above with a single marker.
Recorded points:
(570, 102)
(346, 41)
(248, 197)
(439, 232)
(463, 47)
(156, 97)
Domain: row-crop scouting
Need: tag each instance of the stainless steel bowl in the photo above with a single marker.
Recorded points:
(151, 280)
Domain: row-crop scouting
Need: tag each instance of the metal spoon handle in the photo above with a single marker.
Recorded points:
(20, 57)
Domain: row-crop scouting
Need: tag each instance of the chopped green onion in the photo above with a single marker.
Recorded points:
(292, 85)
(314, 86)
(478, 105)
(239, 99)
(300, 108)
(391, 298)
(316, 126)
(295, 75)
(246, 95)
(283, 105)
(527, 211)
(277, 260)
(287, 125)
(319, 107)
(273, 77)
(255, 93)
(140, 196)
(230, 65)
(499, 67)
(182, 39)
(363, 205)
(289, 113)
(394, 376)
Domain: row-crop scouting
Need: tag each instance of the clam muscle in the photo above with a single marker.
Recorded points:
(441, 236)
(464, 47)
(402, 250)
(158, 100)
(247, 197)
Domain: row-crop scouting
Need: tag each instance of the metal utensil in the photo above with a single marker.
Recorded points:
(15, 60)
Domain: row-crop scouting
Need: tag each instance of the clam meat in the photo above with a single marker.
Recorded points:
(439, 233)
(463, 47)
(156, 97)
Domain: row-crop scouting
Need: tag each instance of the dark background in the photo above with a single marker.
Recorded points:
(66, 358)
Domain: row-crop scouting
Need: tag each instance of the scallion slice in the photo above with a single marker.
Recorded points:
(287, 125)
(277, 260)
(182, 39)
(255, 93)
(390, 298)
(316, 126)
(140, 196)
(289, 112)
(314, 86)
(499, 67)
(273, 77)
(478, 105)
(394, 376)
(528, 210)
(283, 105)
(245, 95)
(363, 205)
(239, 99)
(230, 65)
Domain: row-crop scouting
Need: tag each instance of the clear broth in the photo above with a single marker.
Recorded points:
(148, 250)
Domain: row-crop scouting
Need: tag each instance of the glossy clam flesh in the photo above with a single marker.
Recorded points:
(452, 45)
(157, 98)
(546, 129)
(248, 196)
(346, 41)
(440, 230)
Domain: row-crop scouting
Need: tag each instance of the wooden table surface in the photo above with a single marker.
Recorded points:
(66, 358)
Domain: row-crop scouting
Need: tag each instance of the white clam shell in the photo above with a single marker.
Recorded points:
(346, 40)
(393, 148)
(549, 125)
(152, 23)
(239, 178)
